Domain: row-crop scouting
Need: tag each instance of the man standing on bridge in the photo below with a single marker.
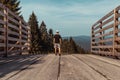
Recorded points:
(57, 40)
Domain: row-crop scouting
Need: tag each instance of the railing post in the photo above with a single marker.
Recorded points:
(115, 31)
(92, 35)
(101, 38)
(20, 36)
(29, 38)
(6, 31)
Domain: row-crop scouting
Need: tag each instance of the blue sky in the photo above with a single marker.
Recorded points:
(70, 17)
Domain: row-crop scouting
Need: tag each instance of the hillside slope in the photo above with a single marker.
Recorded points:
(83, 41)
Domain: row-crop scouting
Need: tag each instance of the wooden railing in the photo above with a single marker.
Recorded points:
(14, 33)
(105, 35)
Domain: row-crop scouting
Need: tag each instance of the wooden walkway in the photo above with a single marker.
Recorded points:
(66, 67)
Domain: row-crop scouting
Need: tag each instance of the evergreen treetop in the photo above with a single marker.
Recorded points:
(13, 5)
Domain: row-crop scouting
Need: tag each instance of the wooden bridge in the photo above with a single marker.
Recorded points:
(15, 39)
(14, 33)
(66, 67)
(106, 34)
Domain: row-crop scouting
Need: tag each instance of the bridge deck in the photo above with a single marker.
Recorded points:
(66, 67)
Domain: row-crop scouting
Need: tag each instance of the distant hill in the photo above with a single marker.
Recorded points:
(83, 41)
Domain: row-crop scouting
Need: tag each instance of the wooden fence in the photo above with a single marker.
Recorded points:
(14, 33)
(105, 34)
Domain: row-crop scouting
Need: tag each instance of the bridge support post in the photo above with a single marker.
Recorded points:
(92, 40)
(101, 38)
(20, 36)
(115, 31)
(5, 32)
(29, 38)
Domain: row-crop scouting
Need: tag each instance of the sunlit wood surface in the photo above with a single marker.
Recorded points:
(66, 67)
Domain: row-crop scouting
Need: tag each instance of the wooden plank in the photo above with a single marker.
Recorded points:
(95, 42)
(17, 65)
(2, 29)
(13, 20)
(23, 41)
(95, 51)
(117, 46)
(14, 45)
(108, 27)
(97, 27)
(107, 34)
(106, 67)
(97, 31)
(94, 46)
(13, 39)
(13, 26)
(105, 46)
(2, 52)
(2, 14)
(13, 14)
(25, 36)
(15, 51)
(24, 31)
(96, 37)
(106, 16)
(2, 37)
(25, 27)
(45, 68)
(2, 44)
(108, 21)
(105, 28)
(107, 40)
(1, 5)
(73, 68)
(12, 32)
(2, 22)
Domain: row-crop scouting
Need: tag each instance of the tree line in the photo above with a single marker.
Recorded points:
(41, 38)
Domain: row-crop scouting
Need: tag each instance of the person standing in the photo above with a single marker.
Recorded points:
(57, 40)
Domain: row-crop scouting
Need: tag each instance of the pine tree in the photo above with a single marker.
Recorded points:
(73, 46)
(51, 40)
(35, 34)
(65, 46)
(69, 46)
(45, 37)
(13, 5)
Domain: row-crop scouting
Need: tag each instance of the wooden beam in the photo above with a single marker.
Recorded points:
(2, 29)
(108, 21)
(2, 13)
(13, 26)
(2, 21)
(13, 20)
(13, 39)
(24, 31)
(10, 12)
(107, 40)
(2, 44)
(12, 32)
